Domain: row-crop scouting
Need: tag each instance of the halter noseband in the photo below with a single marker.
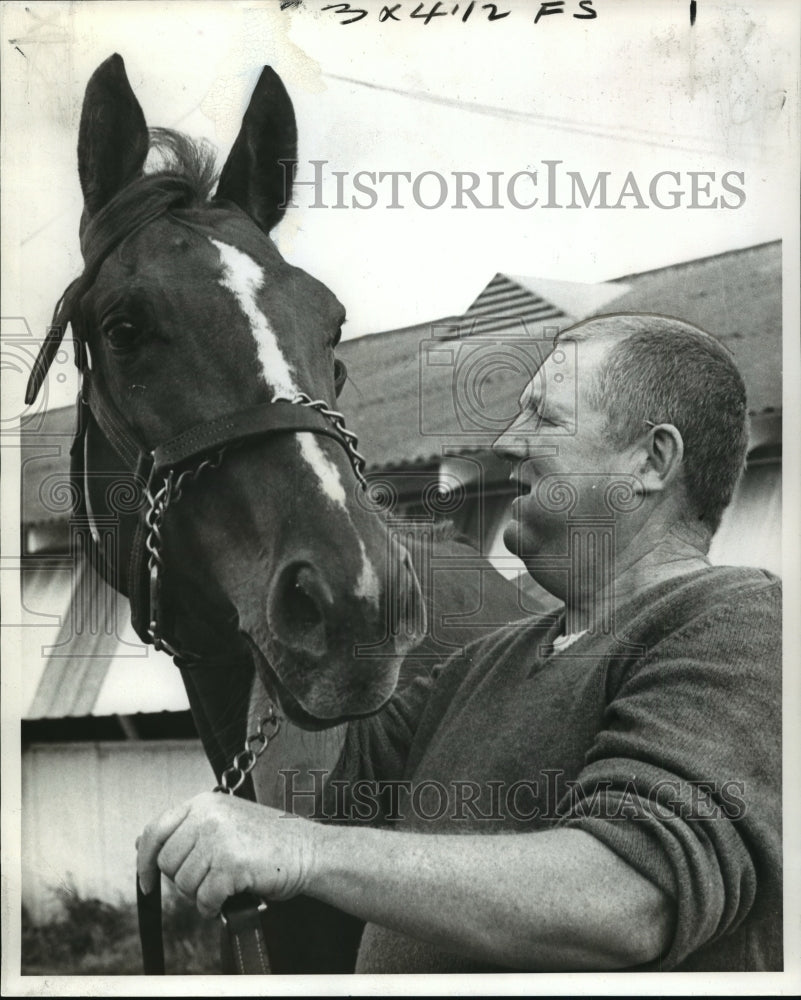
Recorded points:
(166, 468)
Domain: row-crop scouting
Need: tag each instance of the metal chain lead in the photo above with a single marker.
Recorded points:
(190, 475)
(157, 504)
(357, 460)
(243, 763)
(233, 778)
(170, 492)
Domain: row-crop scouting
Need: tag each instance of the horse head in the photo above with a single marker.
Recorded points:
(209, 370)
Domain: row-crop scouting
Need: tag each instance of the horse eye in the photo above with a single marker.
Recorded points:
(340, 375)
(121, 336)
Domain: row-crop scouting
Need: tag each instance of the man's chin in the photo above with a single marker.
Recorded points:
(513, 538)
(522, 541)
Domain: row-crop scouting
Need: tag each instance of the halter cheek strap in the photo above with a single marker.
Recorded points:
(131, 210)
(151, 466)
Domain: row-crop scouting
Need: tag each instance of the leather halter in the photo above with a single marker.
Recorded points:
(159, 471)
(154, 469)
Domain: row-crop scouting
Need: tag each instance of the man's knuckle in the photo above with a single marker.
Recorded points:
(184, 881)
(210, 897)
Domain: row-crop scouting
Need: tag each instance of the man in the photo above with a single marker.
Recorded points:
(630, 741)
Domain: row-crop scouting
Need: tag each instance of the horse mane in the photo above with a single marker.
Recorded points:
(182, 174)
(173, 154)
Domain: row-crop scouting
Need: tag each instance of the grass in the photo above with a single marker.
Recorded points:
(94, 938)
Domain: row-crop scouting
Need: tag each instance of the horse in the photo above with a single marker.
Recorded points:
(200, 348)
(250, 552)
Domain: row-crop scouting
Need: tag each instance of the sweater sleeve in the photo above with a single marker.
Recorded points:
(684, 780)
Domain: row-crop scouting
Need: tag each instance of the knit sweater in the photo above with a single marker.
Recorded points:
(661, 739)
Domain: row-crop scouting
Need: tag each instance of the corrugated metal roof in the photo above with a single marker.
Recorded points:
(96, 664)
(504, 304)
(736, 296)
(572, 297)
(45, 589)
(406, 410)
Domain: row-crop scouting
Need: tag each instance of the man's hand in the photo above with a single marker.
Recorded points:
(552, 900)
(216, 845)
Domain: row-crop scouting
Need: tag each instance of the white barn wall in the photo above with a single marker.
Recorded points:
(84, 804)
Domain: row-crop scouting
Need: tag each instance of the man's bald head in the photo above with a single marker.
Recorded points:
(662, 370)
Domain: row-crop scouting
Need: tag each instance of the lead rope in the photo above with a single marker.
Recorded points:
(241, 913)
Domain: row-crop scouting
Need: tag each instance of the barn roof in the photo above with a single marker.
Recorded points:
(402, 405)
(400, 400)
(400, 395)
(736, 296)
(84, 667)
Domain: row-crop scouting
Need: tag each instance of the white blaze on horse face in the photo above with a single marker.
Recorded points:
(243, 276)
(367, 586)
(327, 472)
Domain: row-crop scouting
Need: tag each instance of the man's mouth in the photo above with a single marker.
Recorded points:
(522, 487)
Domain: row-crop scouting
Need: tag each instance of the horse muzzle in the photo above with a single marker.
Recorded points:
(337, 653)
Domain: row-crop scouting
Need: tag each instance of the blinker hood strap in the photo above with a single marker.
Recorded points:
(48, 351)
(129, 211)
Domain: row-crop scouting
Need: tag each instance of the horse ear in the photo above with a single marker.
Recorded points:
(113, 139)
(258, 173)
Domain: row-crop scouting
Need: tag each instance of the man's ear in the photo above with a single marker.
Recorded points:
(662, 456)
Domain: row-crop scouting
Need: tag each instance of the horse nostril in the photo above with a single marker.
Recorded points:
(310, 596)
(298, 606)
